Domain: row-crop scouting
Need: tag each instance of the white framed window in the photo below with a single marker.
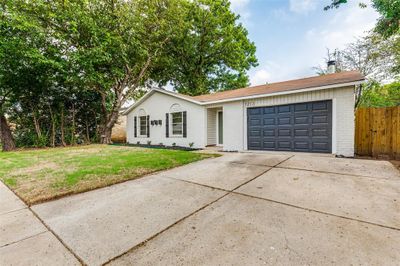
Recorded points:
(143, 126)
(177, 124)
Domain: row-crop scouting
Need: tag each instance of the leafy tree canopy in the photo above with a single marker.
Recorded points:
(377, 95)
(67, 66)
(211, 52)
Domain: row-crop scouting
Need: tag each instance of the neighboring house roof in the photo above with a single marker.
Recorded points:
(305, 84)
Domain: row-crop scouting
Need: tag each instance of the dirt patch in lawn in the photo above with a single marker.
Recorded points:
(34, 168)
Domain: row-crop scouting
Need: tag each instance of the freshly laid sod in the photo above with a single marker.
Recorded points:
(45, 174)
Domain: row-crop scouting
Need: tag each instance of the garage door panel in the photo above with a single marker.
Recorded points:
(301, 145)
(255, 133)
(269, 132)
(268, 110)
(303, 132)
(320, 119)
(284, 109)
(284, 132)
(319, 106)
(269, 145)
(285, 145)
(269, 121)
(254, 111)
(301, 120)
(255, 144)
(320, 146)
(294, 127)
(284, 121)
(319, 132)
(255, 122)
(302, 107)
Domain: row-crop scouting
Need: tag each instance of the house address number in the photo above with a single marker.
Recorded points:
(250, 104)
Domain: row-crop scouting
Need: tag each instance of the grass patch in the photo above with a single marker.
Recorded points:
(45, 174)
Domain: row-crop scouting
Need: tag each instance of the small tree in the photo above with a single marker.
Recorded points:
(369, 56)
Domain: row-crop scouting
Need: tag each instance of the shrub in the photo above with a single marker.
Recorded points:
(149, 142)
(173, 144)
(191, 144)
(138, 143)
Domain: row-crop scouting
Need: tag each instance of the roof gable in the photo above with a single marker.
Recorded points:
(169, 93)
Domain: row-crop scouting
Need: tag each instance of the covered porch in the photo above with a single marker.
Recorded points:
(215, 130)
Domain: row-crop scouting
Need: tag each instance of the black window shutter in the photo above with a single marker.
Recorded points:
(148, 126)
(135, 125)
(184, 124)
(167, 125)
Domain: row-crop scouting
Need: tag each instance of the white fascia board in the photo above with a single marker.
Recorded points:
(148, 94)
(339, 85)
(285, 92)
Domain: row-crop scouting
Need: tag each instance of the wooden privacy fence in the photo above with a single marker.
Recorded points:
(378, 132)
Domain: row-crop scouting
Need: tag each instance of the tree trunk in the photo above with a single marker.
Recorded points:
(62, 128)
(358, 94)
(105, 136)
(53, 128)
(106, 128)
(73, 126)
(6, 137)
(37, 125)
(87, 133)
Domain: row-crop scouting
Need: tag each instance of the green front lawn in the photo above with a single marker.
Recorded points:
(40, 175)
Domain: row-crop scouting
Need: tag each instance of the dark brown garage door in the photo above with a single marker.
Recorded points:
(305, 127)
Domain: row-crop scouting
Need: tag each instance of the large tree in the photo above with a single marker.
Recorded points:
(71, 55)
(38, 93)
(111, 45)
(211, 52)
(23, 64)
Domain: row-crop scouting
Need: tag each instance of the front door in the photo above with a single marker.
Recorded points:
(220, 128)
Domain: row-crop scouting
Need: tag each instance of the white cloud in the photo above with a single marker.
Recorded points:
(261, 76)
(282, 15)
(296, 58)
(241, 7)
(302, 6)
(239, 4)
(342, 27)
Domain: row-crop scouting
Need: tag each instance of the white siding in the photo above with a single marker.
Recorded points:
(345, 124)
(201, 122)
(233, 125)
(156, 106)
(211, 126)
(342, 117)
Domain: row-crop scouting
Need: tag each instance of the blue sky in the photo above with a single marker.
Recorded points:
(292, 35)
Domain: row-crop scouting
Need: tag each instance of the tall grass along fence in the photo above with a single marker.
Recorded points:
(378, 132)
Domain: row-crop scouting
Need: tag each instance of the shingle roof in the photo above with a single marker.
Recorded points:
(291, 85)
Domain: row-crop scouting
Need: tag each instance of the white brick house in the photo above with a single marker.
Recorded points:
(307, 115)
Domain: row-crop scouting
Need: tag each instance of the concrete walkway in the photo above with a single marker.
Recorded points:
(24, 239)
(239, 209)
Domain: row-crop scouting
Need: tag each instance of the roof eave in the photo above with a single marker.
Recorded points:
(331, 86)
(353, 83)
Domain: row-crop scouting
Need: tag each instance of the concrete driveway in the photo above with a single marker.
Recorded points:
(240, 209)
